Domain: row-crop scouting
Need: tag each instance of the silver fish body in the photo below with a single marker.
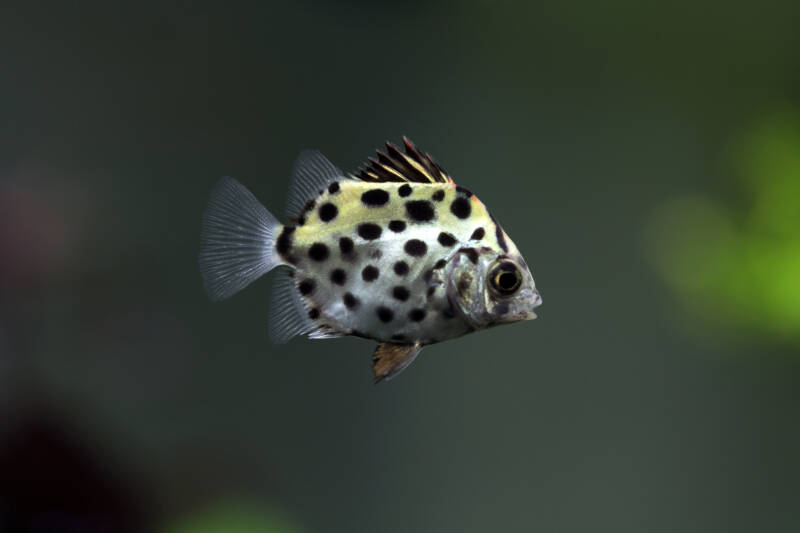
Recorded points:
(397, 253)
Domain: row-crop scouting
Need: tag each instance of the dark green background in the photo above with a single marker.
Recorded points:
(617, 410)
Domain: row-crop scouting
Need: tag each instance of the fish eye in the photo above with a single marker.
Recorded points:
(505, 279)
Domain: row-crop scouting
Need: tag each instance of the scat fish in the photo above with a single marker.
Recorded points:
(396, 253)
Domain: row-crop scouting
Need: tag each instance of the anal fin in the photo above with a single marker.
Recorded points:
(326, 332)
(288, 314)
(390, 359)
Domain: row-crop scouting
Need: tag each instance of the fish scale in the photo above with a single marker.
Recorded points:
(397, 253)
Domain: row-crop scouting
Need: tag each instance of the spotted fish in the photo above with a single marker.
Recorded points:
(396, 252)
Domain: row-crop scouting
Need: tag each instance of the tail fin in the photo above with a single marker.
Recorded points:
(236, 241)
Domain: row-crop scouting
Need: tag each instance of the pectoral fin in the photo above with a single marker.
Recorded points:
(391, 359)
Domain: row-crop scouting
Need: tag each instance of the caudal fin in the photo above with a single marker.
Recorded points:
(236, 241)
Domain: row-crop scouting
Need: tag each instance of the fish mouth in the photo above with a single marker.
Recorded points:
(537, 299)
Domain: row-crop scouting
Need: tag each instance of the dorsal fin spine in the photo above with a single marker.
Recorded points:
(411, 150)
(395, 166)
(386, 168)
(411, 172)
(419, 168)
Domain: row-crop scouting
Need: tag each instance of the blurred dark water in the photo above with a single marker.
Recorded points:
(130, 402)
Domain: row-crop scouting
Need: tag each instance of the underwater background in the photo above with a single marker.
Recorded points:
(645, 158)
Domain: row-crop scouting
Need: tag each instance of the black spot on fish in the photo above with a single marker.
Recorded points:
(477, 234)
(415, 248)
(440, 264)
(404, 190)
(463, 190)
(397, 226)
(472, 253)
(400, 293)
(306, 286)
(501, 308)
(446, 239)
(313, 314)
(318, 252)
(449, 313)
(284, 242)
(428, 275)
(328, 212)
(431, 290)
(333, 188)
(375, 198)
(438, 196)
(369, 231)
(399, 337)
(350, 301)
(416, 315)
(498, 233)
(338, 276)
(420, 210)
(401, 268)
(346, 245)
(385, 314)
(370, 273)
(460, 207)
(306, 208)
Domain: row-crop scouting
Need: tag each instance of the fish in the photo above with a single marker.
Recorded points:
(394, 252)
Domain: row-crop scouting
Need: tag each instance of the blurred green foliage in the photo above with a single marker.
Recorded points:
(741, 267)
(233, 517)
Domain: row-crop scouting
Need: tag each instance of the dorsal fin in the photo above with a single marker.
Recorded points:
(394, 165)
(390, 359)
(312, 172)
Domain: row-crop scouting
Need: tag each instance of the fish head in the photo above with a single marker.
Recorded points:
(488, 288)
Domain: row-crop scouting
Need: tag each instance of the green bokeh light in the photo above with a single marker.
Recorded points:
(233, 517)
(740, 269)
